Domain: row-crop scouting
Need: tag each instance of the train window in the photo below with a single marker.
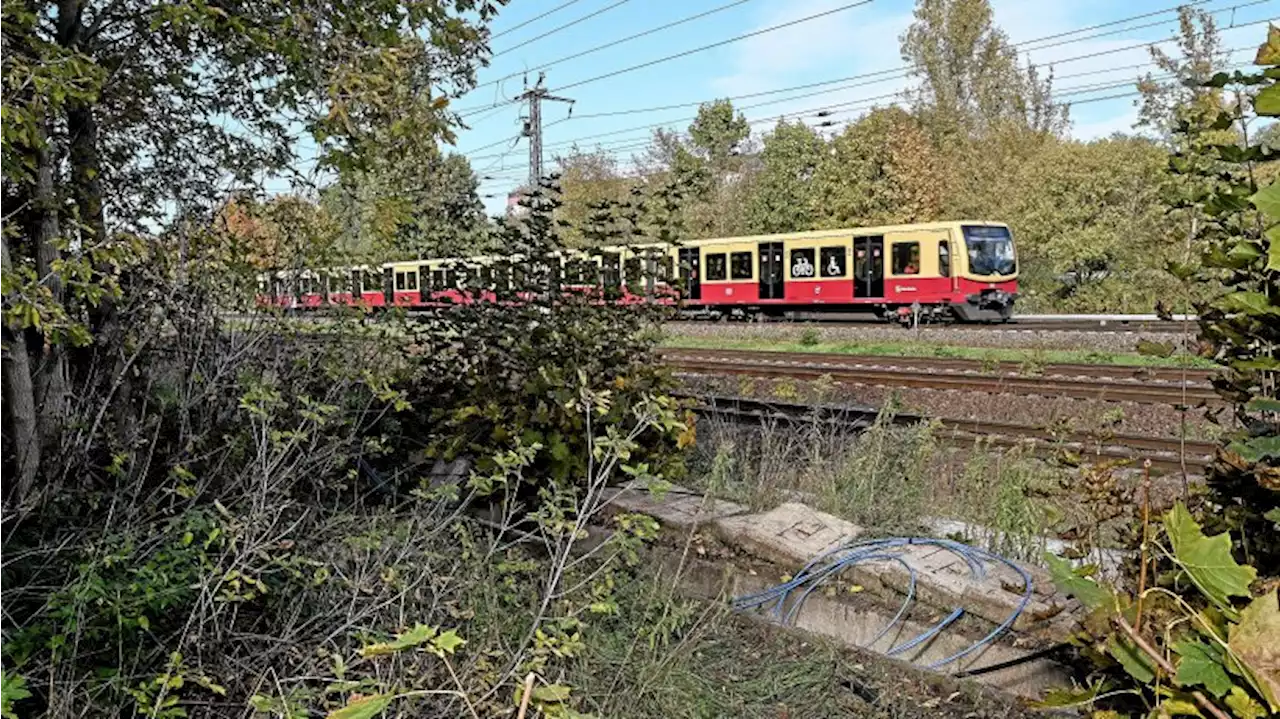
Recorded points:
(944, 259)
(411, 280)
(717, 267)
(740, 265)
(802, 264)
(633, 274)
(486, 276)
(438, 279)
(399, 282)
(906, 258)
(832, 261)
(372, 282)
(611, 269)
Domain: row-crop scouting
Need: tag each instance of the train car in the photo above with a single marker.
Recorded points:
(958, 270)
(964, 270)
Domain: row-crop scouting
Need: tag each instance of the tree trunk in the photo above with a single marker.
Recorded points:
(20, 406)
(51, 390)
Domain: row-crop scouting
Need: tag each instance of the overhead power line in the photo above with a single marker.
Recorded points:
(536, 18)
(627, 39)
(565, 26)
(693, 51)
(690, 119)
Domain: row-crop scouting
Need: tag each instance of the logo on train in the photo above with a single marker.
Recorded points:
(833, 268)
(802, 267)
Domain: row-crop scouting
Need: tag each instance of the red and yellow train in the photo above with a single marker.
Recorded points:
(962, 270)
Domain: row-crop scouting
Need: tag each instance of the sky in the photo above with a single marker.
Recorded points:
(854, 43)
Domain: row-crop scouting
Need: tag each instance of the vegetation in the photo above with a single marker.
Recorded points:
(980, 136)
(1196, 633)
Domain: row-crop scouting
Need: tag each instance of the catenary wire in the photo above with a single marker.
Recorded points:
(621, 41)
(536, 18)
(565, 26)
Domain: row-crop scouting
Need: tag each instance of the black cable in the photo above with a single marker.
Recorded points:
(565, 26)
(539, 17)
(629, 38)
(1047, 651)
(713, 45)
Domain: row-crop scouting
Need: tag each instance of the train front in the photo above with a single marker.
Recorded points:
(988, 278)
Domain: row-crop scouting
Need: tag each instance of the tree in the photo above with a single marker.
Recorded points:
(404, 208)
(718, 134)
(970, 80)
(881, 169)
(121, 117)
(784, 197)
(1090, 226)
(1182, 96)
(587, 179)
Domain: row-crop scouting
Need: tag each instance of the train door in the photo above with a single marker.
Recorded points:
(771, 269)
(868, 267)
(690, 259)
(388, 286)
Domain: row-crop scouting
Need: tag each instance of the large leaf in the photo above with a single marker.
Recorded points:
(1253, 303)
(1071, 582)
(1268, 101)
(1268, 200)
(1273, 247)
(1131, 658)
(1244, 706)
(363, 708)
(1201, 663)
(1255, 641)
(1207, 560)
(1257, 449)
(1269, 51)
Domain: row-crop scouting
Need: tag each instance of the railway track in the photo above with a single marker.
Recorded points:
(1081, 381)
(1166, 455)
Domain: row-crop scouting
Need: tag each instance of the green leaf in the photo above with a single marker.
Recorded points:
(1072, 582)
(412, 638)
(1131, 658)
(448, 642)
(1263, 404)
(13, 689)
(1268, 101)
(1269, 51)
(1207, 560)
(1257, 449)
(1254, 642)
(363, 708)
(1268, 200)
(552, 693)
(1075, 696)
(1253, 303)
(1244, 706)
(1272, 515)
(1273, 247)
(1201, 663)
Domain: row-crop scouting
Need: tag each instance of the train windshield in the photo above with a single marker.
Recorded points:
(990, 250)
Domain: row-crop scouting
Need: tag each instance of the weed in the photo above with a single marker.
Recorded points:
(810, 337)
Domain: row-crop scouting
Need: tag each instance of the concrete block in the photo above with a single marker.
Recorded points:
(790, 534)
(678, 508)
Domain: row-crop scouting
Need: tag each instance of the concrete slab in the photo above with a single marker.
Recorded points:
(790, 535)
(858, 623)
(677, 508)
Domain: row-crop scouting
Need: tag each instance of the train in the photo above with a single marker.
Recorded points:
(961, 271)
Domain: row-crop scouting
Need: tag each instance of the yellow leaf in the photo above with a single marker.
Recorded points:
(1254, 642)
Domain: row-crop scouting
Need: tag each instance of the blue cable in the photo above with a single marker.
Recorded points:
(818, 569)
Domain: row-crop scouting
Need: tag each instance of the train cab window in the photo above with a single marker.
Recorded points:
(717, 267)
(740, 264)
(831, 261)
(944, 259)
(400, 282)
(438, 279)
(486, 276)
(372, 281)
(501, 278)
(802, 264)
(906, 258)
(632, 272)
(411, 280)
